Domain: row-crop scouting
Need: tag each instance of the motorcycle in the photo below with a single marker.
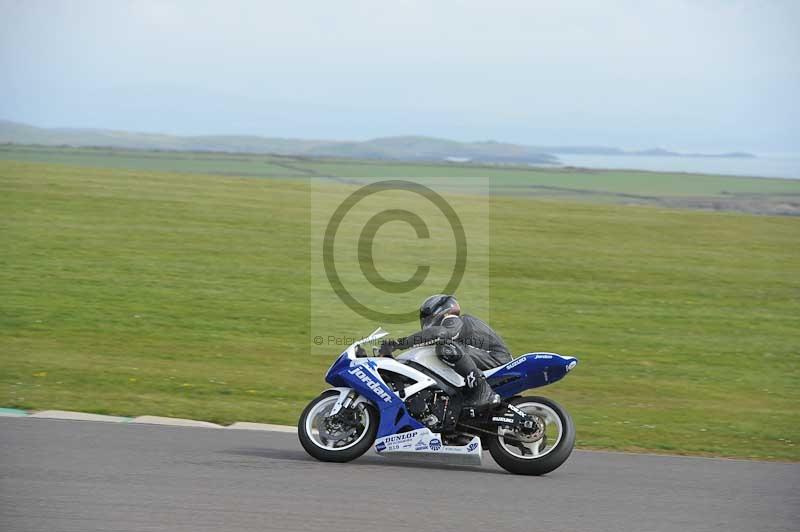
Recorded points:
(411, 405)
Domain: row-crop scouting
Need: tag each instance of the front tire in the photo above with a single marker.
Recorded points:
(340, 438)
(541, 456)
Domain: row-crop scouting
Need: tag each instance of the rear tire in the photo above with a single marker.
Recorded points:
(326, 450)
(555, 417)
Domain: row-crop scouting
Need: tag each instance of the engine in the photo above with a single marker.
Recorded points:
(429, 407)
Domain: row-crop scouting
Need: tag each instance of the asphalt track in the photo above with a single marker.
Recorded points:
(90, 476)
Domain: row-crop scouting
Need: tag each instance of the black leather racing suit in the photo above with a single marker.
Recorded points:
(472, 335)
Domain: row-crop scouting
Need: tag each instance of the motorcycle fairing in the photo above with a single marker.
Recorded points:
(426, 356)
(422, 443)
(362, 376)
(530, 370)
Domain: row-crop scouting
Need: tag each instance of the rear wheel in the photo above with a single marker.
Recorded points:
(538, 453)
(336, 438)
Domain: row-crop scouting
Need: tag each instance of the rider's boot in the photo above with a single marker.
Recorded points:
(478, 393)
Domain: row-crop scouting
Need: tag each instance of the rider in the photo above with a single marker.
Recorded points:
(465, 343)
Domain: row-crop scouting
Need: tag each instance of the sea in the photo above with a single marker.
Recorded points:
(786, 166)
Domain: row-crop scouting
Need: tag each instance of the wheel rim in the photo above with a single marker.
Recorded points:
(553, 433)
(328, 435)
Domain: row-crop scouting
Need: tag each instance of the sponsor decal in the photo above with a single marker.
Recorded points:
(515, 363)
(435, 444)
(516, 410)
(420, 446)
(471, 379)
(472, 446)
(380, 447)
(371, 383)
(503, 420)
(546, 357)
(402, 437)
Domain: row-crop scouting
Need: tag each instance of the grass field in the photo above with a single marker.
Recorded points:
(755, 195)
(187, 294)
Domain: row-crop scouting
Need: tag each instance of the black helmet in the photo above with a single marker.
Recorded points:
(435, 308)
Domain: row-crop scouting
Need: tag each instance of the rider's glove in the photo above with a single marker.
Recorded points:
(387, 346)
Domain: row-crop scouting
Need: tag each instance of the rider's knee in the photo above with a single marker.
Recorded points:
(449, 353)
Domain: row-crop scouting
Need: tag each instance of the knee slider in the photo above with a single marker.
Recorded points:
(449, 353)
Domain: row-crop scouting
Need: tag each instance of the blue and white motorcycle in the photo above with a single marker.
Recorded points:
(411, 405)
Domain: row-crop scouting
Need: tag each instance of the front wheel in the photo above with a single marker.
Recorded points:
(338, 438)
(536, 454)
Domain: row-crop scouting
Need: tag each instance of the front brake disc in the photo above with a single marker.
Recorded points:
(335, 429)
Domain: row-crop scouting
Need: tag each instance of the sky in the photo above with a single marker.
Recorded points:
(691, 75)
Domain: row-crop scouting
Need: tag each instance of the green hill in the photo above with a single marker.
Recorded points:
(390, 148)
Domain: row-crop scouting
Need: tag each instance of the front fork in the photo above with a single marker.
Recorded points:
(348, 398)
